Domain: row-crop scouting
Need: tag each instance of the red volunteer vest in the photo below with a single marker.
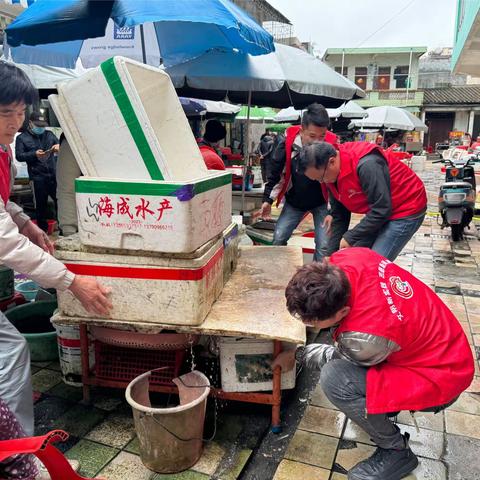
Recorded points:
(290, 135)
(407, 190)
(435, 363)
(211, 158)
(5, 175)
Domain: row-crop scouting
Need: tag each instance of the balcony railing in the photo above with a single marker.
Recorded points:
(396, 95)
(392, 97)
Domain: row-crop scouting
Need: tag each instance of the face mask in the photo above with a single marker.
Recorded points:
(38, 130)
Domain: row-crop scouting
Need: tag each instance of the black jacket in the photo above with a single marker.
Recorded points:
(304, 194)
(25, 147)
(374, 179)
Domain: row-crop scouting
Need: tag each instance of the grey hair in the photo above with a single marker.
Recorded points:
(315, 155)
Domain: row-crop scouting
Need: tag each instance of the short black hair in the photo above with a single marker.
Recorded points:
(317, 291)
(15, 86)
(214, 131)
(317, 115)
(315, 155)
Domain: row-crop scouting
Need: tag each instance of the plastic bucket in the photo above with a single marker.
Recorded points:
(28, 289)
(32, 320)
(171, 439)
(6, 283)
(69, 353)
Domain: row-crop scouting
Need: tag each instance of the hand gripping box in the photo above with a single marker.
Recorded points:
(173, 290)
(165, 217)
(123, 119)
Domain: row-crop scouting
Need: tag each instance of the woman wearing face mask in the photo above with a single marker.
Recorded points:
(36, 146)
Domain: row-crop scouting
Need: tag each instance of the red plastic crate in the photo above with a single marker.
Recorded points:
(124, 364)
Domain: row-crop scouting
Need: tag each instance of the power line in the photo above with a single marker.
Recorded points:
(386, 23)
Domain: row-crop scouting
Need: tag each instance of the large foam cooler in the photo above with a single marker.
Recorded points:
(174, 289)
(246, 366)
(153, 216)
(124, 120)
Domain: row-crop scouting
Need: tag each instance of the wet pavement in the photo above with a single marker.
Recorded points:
(317, 441)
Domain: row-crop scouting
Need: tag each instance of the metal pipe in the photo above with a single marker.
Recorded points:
(246, 153)
(408, 78)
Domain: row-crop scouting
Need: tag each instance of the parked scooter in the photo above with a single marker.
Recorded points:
(456, 200)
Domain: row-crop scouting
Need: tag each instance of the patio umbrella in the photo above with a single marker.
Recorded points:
(185, 29)
(350, 109)
(288, 115)
(388, 117)
(192, 108)
(286, 77)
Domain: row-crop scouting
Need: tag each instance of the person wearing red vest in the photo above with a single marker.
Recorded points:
(26, 249)
(475, 145)
(398, 347)
(214, 132)
(301, 194)
(362, 178)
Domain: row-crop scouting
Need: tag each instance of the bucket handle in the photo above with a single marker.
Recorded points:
(144, 414)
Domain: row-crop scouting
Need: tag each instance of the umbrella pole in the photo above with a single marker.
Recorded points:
(142, 40)
(247, 152)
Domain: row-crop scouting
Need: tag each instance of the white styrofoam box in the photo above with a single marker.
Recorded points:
(153, 216)
(231, 243)
(307, 243)
(173, 290)
(123, 119)
(245, 365)
(418, 163)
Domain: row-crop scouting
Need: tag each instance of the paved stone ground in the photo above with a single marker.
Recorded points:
(325, 444)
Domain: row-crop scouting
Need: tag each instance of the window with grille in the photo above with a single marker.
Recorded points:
(361, 77)
(400, 75)
(382, 79)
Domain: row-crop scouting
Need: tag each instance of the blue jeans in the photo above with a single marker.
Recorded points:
(395, 235)
(289, 220)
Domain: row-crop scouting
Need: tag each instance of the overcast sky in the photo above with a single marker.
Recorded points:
(349, 23)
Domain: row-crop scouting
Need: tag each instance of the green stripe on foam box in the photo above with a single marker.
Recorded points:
(141, 188)
(126, 108)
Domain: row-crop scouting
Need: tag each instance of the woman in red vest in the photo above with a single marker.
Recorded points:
(362, 178)
(285, 181)
(398, 347)
(214, 132)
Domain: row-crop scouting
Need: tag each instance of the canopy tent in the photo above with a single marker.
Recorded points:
(264, 114)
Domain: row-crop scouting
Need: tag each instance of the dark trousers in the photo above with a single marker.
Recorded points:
(44, 187)
(345, 385)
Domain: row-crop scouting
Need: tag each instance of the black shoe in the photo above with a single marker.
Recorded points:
(386, 464)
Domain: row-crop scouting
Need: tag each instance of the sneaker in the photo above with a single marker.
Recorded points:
(386, 464)
(43, 472)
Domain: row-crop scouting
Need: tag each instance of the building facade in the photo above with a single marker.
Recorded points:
(389, 76)
(9, 10)
(466, 51)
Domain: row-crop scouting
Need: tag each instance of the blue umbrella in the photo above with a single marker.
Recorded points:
(192, 108)
(184, 29)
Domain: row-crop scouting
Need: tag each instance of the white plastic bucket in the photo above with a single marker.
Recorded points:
(69, 351)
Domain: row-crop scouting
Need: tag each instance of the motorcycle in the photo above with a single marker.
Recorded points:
(456, 200)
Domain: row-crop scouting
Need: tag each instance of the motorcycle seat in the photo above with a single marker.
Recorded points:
(456, 185)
